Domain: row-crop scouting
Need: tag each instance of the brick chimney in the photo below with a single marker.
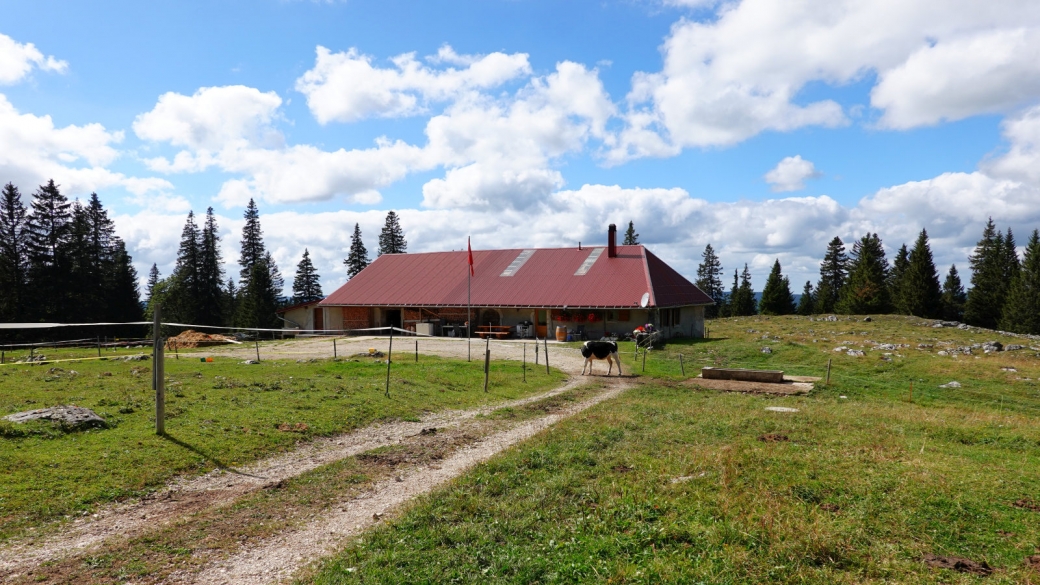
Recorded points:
(612, 241)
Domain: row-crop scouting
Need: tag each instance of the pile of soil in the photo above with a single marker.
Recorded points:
(192, 338)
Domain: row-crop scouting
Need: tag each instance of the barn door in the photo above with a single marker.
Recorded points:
(319, 318)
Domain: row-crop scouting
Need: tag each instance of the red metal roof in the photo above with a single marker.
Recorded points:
(546, 280)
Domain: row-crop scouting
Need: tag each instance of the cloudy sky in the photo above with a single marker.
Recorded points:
(763, 127)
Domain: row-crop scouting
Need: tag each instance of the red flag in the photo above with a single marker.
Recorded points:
(470, 248)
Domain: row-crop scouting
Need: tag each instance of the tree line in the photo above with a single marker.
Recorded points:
(60, 261)
(197, 293)
(1004, 294)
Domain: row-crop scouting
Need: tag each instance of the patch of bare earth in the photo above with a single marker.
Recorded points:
(389, 445)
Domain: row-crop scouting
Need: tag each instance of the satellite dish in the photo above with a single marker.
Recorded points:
(643, 302)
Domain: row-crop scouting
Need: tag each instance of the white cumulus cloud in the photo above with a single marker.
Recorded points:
(17, 60)
(742, 73)
(33, 150)
(790, 174)
(347, 86)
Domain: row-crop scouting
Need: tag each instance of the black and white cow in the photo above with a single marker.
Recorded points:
(600, 350)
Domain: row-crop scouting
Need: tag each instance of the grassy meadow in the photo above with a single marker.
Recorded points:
(221, 414)
(671, 483)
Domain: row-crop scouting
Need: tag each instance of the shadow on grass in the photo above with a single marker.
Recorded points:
(219, 463)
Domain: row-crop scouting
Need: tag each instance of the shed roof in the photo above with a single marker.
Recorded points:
(542, 277)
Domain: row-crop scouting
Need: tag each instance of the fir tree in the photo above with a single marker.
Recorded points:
(124, 298)
(776, 294)
(306, 285)
(47, 230)
(807, 303)
(833, 272)
(743, 302)
(210, 273)
(866, 290)
(1021, 311)
(261, 283)
(391, 239)
(919, 292)
(230, 298)
(709, 279)
(631, 237)
(185, 291)
(953, 296)
(895, 279)
(153, 279)
(252, 243)
(357, 257)
(726, 306)
(12, 253)
(986, 297)
(259, 301)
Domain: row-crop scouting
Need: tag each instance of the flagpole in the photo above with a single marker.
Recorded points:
(469, 308)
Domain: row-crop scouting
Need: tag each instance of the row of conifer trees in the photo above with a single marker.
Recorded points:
(1005, 290)
(60, 261)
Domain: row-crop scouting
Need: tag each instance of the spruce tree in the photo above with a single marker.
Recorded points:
(153, 279)
(391, 238)
(807, 303)
(919, 293)
(47, 231)
(357, 257)
(986, 297)
(210, 273)
(776, 294)
(953, 296)
(631, 237)
(185, 291)
(895, 279)
(833, 272)
(866, 290)
(261, 283)
(726, 307)
(124, 297)
(252, 243)
(743, 302)
(306, 285)
(709, 279)
(13, 255)
(1021, 311)
(230, 296)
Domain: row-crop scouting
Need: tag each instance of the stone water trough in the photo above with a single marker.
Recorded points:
(742, 375)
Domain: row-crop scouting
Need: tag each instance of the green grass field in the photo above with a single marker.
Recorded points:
(670, 483)
(218, 415)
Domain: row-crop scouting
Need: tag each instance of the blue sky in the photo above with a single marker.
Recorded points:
(765, 128)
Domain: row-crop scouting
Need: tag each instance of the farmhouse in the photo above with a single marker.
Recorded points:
(589, 291)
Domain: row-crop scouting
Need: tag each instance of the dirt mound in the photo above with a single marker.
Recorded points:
(957, 564)
(192, 338)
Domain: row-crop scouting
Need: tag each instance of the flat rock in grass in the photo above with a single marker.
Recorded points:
(953, 384)
(1014, 347)
(958, 564)
(781, 409)
(73, 417)
(250, 363)
(855, 353)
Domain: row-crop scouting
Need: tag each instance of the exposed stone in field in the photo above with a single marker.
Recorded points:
(73, 417)
(766, 350)
(855, 353)
(951, 384)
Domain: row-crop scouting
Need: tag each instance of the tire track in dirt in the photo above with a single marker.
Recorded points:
(222, 487)
(280, 557)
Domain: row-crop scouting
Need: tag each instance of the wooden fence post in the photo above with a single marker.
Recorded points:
(524, 366)
(158, 372)
(389, 353)
(546, 340)
(683, 367)
(487, 366)
(334, 352)
(644, 360)
(416, 349)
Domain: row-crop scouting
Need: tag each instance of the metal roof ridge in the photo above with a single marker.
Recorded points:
(646, 272)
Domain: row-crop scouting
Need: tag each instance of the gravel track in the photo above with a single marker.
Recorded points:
(222, 487)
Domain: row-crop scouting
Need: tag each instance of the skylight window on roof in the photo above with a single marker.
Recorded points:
(515, 265)
(587, 264)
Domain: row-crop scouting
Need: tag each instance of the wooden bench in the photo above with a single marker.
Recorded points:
(496, 331)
